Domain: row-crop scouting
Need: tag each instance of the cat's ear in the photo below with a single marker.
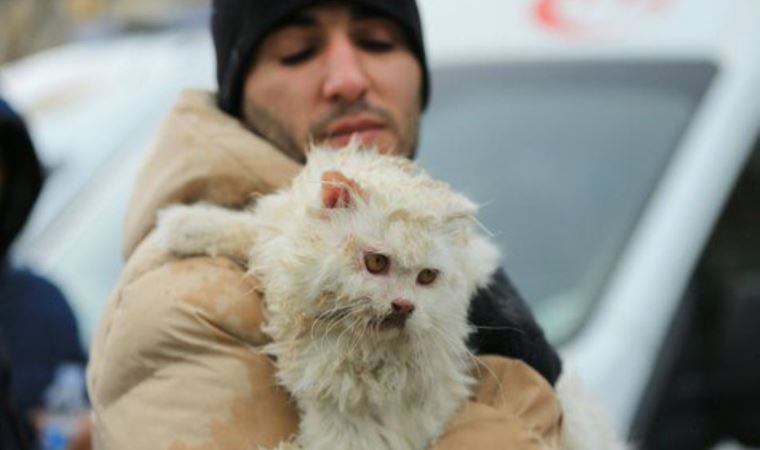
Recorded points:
(338, 190)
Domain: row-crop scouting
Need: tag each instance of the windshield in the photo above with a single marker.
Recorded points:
(562, 157)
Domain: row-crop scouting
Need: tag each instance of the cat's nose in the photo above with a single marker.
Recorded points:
(402, 306)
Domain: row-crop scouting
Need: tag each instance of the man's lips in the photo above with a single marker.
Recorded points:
(347, 127)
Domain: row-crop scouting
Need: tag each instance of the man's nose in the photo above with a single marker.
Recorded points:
(346, 80)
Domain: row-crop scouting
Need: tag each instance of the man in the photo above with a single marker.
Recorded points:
(175, 364)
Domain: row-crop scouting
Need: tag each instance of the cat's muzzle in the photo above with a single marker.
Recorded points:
(394, 319)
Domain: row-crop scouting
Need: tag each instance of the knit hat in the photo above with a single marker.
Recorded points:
(238, 26)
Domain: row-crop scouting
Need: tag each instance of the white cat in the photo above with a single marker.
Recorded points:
(368, 265)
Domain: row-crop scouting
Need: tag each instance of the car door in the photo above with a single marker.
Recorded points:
(705, 387)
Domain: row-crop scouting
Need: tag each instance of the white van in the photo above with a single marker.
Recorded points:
(614, 145)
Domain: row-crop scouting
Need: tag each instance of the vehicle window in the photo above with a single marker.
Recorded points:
(562, 157)
(705, 386)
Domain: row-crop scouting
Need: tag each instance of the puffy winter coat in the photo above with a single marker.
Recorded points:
(176, 361)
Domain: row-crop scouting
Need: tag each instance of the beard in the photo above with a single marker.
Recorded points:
(265, 124)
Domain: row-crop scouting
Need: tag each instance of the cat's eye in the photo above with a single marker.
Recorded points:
(427, 276)
(376, 263)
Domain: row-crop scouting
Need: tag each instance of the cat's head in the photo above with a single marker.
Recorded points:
(378, 247)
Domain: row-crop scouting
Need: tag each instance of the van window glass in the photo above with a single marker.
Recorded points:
(562, 157)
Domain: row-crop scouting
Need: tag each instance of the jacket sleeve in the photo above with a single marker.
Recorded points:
(504, 325)
(176, 365)
(513, 407)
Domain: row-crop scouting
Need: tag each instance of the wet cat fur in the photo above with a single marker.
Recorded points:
(364, 371)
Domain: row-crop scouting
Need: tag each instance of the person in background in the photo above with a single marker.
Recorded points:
(38, 330)
(12, 436)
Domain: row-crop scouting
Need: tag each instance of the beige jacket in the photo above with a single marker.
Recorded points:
(175, 363)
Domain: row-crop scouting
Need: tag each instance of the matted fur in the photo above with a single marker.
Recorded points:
(358, 384)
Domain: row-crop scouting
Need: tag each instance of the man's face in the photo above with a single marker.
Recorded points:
(330, 73)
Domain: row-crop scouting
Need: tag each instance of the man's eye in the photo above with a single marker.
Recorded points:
(298, 57)
(376, 45)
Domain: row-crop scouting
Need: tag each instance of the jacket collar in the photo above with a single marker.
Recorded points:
(202, 154)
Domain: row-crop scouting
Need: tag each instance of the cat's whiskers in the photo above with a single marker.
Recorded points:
(314, 324)
(346, 310)
(331, 325)
(334, 320)
(335, 313)
(346, 330)
(496, 379)
(448, 344)
(359, 334)
(363, 321)
(423, 359)
(481, 225)
(484, 327)
(475, 362)
(331, 317)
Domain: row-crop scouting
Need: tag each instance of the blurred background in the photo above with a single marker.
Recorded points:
(30, 26)
(613, 144)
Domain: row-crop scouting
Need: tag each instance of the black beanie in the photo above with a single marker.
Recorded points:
(238, 26)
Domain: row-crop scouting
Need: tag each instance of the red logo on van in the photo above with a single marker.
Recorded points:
(593, 17)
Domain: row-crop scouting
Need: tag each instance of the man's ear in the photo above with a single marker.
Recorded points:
(338, 190)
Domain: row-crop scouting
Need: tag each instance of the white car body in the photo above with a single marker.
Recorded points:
(93, 107)
(617, 347)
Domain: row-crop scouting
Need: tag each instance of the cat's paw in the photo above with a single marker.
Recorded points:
(203, 229)
(177, 230)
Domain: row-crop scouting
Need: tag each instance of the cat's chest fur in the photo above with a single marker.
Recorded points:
(357, 377)
(395, 397)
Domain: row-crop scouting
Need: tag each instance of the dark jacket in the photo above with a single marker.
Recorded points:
(20, 183)
(40, 334)
(505, 326)
(37, 328)
(12, 437)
